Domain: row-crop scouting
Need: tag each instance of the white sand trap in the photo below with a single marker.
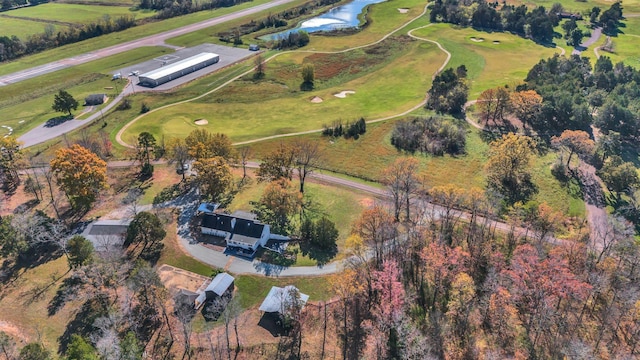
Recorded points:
(403, 10)
(496, 42)
(343, 94)
(316, 100)
(201, 122)
(475, 39)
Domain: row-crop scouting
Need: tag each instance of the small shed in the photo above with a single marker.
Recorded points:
(95, 99)
(279, 299)
(220, 286)
(207, 208)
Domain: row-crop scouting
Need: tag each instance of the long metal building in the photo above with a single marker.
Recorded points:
(178, 69)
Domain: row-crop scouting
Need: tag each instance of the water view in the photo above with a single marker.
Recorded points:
(344, 16)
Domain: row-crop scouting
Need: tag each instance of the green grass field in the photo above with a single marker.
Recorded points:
(394, 88)
(74, 13)
(119, 37)
(489, 64)
(28, 103)
(23, 28)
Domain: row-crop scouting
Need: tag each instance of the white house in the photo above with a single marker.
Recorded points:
(280, 299)
(238, 232)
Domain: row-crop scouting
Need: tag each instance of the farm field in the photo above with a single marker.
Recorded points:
(24, 28)
(74, 13)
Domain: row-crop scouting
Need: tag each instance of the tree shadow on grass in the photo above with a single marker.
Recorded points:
(320, 255)
(10, 271)
(67, 291)
(82, 323)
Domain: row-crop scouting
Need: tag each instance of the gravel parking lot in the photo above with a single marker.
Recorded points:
(228, 56)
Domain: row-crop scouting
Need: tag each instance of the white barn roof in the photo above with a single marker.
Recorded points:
(180, 65)
(218, 285)
(278, 298)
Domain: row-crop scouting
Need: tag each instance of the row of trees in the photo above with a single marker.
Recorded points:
(536, 24)
(440, 287)
(12, 47)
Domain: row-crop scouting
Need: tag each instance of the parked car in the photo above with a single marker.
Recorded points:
(184, 168)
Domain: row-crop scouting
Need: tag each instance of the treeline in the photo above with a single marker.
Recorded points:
(172, 8)
(576, 95)
(13, 47)
(430, 135)
(350, 130)
(11, 4)
(536, 24)
(292, 40)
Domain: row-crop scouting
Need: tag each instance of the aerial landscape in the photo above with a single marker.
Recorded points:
(319, 179)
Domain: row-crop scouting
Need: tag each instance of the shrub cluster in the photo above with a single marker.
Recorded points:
(429, 135)
(350, 130)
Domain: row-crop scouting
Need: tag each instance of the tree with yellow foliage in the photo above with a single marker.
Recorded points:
(80, 173)
(214, 177)
(508, 168)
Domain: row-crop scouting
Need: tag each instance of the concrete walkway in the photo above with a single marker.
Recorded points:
(595, 36)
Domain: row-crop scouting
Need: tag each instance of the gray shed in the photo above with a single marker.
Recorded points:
(95, 99)
(221, 285)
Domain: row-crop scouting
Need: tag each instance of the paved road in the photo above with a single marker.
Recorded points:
(152, 40)
(43, 132)
(595, 36)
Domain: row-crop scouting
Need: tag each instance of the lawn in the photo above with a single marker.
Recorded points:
(340, 205)
(28, 103)
(23, 28)
(395, 87)
(253, 289)
(24, 304)
(75, 13)
(492, 59)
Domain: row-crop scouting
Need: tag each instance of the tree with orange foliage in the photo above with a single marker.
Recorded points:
(575, 142)
(278, 203)
(375, 226)
(80, 173)
(526, 105)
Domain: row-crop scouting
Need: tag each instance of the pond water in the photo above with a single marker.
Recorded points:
(344, 16)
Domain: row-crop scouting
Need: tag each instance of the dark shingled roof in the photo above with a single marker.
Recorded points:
(217, 222)
(248, 228)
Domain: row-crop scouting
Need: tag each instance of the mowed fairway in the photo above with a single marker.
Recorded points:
(74, 13)
(488, 64)
(394, 88)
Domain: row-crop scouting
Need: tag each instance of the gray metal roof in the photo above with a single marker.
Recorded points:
(279, 298)
(220, 284)
(180, 65)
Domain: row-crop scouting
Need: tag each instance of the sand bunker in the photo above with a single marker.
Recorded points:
(403, 10)
(316, 100)
(343, 94)
(496, 42)
(201, 122)
(475, 39)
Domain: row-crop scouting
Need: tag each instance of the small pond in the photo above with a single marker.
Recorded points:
(344, 16)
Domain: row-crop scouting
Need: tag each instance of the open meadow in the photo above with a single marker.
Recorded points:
(73, 13)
